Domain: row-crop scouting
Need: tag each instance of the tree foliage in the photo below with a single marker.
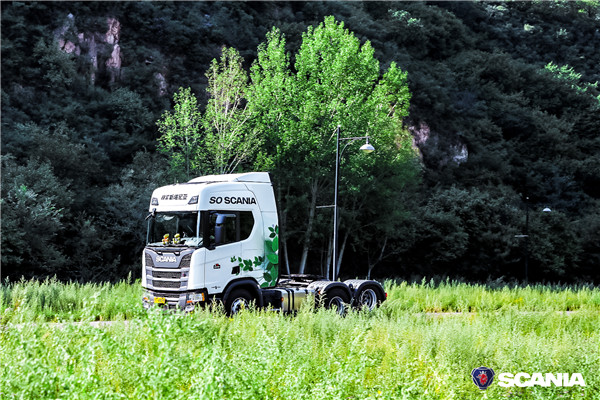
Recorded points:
(503, 106)
(336, 81)
(33, 224)
(228, 142)
(181, 136)
(218, 140)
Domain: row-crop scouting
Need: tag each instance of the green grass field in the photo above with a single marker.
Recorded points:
(397, 352)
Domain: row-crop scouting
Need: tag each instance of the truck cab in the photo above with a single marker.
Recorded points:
(207, 233)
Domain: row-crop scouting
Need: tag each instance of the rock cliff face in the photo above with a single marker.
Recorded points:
(102, 52)
(114, 31)
(456, 151)
(102, 49)
(112, 38)
(161, 81)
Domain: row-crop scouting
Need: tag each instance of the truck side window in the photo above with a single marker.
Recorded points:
(223, 228)
(230, 226)
(246, 224)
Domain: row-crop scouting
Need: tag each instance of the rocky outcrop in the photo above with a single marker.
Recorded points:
(66, 45)
(69, 47)
(420, 134)
(114, 63)
(162, 84)
(112, 38)
(425, 140)
(89, 42)
(103, 52)
(114, 31)
(93, 45)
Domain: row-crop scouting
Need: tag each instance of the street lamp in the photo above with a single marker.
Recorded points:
(367, 148)
(526, 236)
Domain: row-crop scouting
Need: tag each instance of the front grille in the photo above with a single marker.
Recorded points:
(169, 295)
(148, 276)
(167, 274)
(185, 261)
(165, 268)
(166, 284)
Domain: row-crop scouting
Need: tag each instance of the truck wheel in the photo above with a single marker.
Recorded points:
(237, 300)
(337, 299)
(368, 297)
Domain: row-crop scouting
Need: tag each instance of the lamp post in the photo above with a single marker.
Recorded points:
(367, 148)
(526, 236)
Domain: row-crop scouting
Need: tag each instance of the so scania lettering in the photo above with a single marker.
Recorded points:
(523, 379)
(232, 200)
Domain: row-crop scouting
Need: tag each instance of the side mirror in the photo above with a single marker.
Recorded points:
(151, 215)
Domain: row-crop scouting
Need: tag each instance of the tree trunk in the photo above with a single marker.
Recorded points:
(329, 260)
(342, 248)
(372, 265)
(285, 256)
(309, 227)
(282, 230)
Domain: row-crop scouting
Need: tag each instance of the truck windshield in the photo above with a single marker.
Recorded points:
(174, 229)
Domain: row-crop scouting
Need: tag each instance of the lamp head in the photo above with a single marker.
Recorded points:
(367, 147)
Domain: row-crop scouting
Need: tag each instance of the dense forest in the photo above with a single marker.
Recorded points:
(503, 122)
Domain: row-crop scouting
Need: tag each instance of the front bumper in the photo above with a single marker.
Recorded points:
(185, 301)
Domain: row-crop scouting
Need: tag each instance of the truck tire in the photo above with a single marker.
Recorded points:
(338, 299)
(237, 300)
(368, 296)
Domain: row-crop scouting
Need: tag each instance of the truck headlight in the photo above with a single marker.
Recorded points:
(196, 297)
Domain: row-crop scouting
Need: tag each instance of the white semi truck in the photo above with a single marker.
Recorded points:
(216, 237)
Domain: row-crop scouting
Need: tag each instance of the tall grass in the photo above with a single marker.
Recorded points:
(54, 301)
(313, 355)
(396, 352)
(449, 296)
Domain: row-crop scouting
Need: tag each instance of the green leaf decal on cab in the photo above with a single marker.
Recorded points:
(273, 258)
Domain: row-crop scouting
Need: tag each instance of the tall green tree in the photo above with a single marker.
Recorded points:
(220, 140)
(336, 81)
(33, 219)
(228, 142)
(181, 132)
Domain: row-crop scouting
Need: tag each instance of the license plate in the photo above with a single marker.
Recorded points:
(159, 300)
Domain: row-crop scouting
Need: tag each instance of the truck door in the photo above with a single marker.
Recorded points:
(224, 236)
